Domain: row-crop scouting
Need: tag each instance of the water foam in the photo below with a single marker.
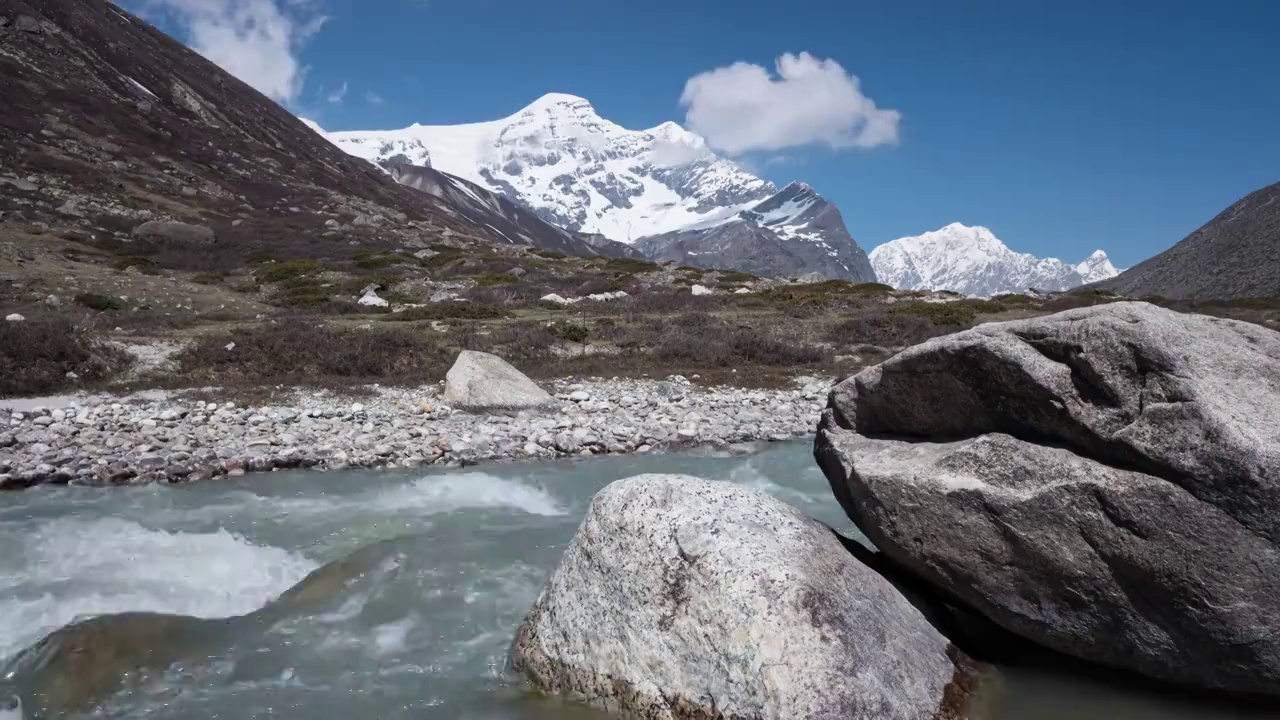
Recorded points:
(446, 493)
(78, 567)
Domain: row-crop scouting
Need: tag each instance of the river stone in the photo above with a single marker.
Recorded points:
(686, 598)
(480, 381)
(1114, 493)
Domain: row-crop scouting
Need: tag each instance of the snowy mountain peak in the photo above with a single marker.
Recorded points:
(1097, 267)
(558, 102)
(576, 169)
(973, 261)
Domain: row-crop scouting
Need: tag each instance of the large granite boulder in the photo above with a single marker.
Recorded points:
(1104, 481)
(688, 598)
(174, 233)
(479, 381)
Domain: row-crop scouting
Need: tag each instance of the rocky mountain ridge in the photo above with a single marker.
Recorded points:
(1234, 255)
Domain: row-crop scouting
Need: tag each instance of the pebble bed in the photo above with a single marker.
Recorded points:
(141, 439)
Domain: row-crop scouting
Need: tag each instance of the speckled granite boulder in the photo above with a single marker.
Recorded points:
(688, 598)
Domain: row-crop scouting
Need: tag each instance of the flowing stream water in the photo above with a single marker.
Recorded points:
(454, 559)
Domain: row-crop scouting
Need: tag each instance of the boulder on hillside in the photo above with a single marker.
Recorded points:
(175, 233)
(686, 598)
(479, 381)
(1104, 481)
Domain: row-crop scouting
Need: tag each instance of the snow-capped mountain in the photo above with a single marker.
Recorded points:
(576, 169)
(502, 218)
(973, 261)
(581, 172)
(794, 232)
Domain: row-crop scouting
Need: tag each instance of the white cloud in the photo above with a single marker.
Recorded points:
(373, 98)
(742, 108)
(258, 41)
(336, 96)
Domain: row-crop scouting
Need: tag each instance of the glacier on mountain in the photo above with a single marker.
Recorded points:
(660, 188)
(576, 169)
(973, 261)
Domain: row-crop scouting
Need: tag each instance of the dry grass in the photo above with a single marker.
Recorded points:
(50, 356)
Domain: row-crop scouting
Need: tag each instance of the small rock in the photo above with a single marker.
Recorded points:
(14, 317)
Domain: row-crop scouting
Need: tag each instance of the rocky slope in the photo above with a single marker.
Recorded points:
(1234, 255)
(108, 123)
(584, 173)
(973, 261)
(510, 222)
(793, 232)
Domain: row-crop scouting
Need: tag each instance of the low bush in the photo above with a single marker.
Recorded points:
(145, 266)
(492, 279)
(449, 310)
(629, 265)
(207, 278)
(37, 355)
(306, 354)
(369, 260)
(101, 303)
(871, 288)
(952, 314)
(549, 254)
(572, 332)
(734, 276)
(885, 329)
(273, 272)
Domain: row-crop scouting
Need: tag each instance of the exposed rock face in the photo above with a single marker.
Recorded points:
(114, 122)
(482, 381)
(687, 598)
(1234, 255)
(796, 231)
(1105, 481)
(506, 220)
(174, 232)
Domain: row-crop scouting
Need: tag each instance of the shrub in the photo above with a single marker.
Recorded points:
(734, 276)
(207, 278)
(289, 269)
(549, 254)
(491, 279)
(571, 332)
(449, 310)
(871, 288)
(440, 261)
(885, 329)
(144, 265)
(36, 355)
(629, 265)
(943, 314)
(101, 303)
(367, 260)
(307, 354)
(1009, 299)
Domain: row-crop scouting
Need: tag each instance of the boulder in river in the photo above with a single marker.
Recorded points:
(686, 598)
(480, 381)
(1104, 482)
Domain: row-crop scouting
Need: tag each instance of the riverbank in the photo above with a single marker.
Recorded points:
(168, 437)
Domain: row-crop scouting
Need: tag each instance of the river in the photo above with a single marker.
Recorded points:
(458, 557)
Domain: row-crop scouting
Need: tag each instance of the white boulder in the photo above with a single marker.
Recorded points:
(701, 290)
(480, 381)
(687, 598)
(14, 317)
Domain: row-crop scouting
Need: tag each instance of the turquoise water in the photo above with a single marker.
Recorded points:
(458, 558)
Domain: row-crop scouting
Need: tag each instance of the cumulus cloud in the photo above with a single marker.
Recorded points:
(743, 108)
(258, 41)
(336, 96)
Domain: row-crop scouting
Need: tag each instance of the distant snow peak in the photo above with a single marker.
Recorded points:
(973, 261)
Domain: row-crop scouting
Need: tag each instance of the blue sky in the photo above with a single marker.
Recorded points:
(1063, 125)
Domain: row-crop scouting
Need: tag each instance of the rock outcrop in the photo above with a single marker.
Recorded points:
(687, 598)
(480, 381)
(1105, 482)
(178, 233)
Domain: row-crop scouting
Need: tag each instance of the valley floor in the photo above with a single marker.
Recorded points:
(178, 437)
